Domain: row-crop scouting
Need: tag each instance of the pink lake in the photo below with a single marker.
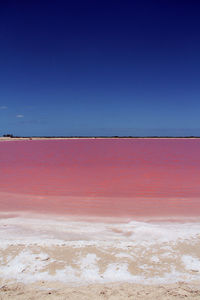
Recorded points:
(101, 177)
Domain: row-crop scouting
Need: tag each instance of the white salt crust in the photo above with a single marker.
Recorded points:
(144, 237)
(28, 267)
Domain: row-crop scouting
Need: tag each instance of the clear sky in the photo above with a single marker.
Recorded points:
(100, 67)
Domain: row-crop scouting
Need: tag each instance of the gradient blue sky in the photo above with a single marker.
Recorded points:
(100, 67)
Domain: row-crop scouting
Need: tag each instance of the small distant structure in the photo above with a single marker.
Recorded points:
(8, 135)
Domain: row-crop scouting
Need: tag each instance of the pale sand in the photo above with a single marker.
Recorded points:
(100, 291)
(6, 139)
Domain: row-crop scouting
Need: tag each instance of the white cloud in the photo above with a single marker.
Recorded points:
(3, 107)
(19, 116)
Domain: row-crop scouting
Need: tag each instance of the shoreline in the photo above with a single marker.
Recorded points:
(104, 219)
(80, 206)
(92, 138)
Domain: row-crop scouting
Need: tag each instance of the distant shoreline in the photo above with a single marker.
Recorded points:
(18, 138)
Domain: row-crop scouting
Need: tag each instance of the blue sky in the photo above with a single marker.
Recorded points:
(100, 68)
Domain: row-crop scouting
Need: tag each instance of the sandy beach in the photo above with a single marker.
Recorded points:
(99, 292)
(62, 258)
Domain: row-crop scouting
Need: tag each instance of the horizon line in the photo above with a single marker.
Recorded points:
(10, 136)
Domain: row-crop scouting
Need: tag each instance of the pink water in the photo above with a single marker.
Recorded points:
(114, 177)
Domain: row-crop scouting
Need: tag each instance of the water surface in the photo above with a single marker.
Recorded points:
(104, 177)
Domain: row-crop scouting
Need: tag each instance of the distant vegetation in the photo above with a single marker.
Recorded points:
(8, 135)
(96, 137)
